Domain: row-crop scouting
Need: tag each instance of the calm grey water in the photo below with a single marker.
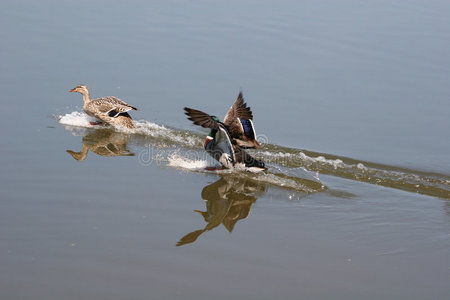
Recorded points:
(363, 82)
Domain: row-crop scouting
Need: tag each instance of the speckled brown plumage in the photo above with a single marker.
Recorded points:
(110, 110)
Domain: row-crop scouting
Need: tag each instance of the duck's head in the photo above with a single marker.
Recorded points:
(212, 133)
(82, 89)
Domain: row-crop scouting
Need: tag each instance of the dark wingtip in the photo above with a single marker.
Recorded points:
(187, 110)
(240, 98)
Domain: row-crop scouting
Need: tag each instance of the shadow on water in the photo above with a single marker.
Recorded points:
(104, 142)
(227, 201)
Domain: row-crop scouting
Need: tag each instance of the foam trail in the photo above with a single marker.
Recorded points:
(282, 159)
(427, 183)
(167, 135)
(178, 161)
(306, 183)
(146, 133)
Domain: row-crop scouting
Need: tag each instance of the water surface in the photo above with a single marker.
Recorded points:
(352, 93)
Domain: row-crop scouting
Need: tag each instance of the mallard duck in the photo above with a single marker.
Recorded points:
(109, 110)
(238, 121)
(226, 141)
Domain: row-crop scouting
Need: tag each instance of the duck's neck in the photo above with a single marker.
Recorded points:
(86, 97)
(212, 133)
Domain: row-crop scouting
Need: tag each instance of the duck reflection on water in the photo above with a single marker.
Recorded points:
(228, 200)
(104, 142)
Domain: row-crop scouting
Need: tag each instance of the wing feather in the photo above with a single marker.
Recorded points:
(200, 118)
(239, 109)
(112, 106)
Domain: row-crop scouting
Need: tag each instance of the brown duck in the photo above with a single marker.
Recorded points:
(109, 110)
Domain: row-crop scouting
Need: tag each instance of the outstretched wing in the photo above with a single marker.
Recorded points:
(239, 109)
(112, 106)
(240, 125)
(200, 118)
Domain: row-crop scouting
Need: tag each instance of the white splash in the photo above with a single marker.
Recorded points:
(335, 163)
(159, 131)
(361, 167)
(76, 118)
(282, 158)
(177, 161)
(81, 119)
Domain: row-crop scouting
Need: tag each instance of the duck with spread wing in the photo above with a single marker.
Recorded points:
(228, 140)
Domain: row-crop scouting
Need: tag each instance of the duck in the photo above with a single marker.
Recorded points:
(227, 140)
(238, 121)
(108, 110)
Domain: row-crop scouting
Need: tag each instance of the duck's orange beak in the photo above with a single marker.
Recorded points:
(73, 90)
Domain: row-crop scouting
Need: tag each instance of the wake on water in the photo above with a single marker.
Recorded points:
(180, 149)
(288, 167)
